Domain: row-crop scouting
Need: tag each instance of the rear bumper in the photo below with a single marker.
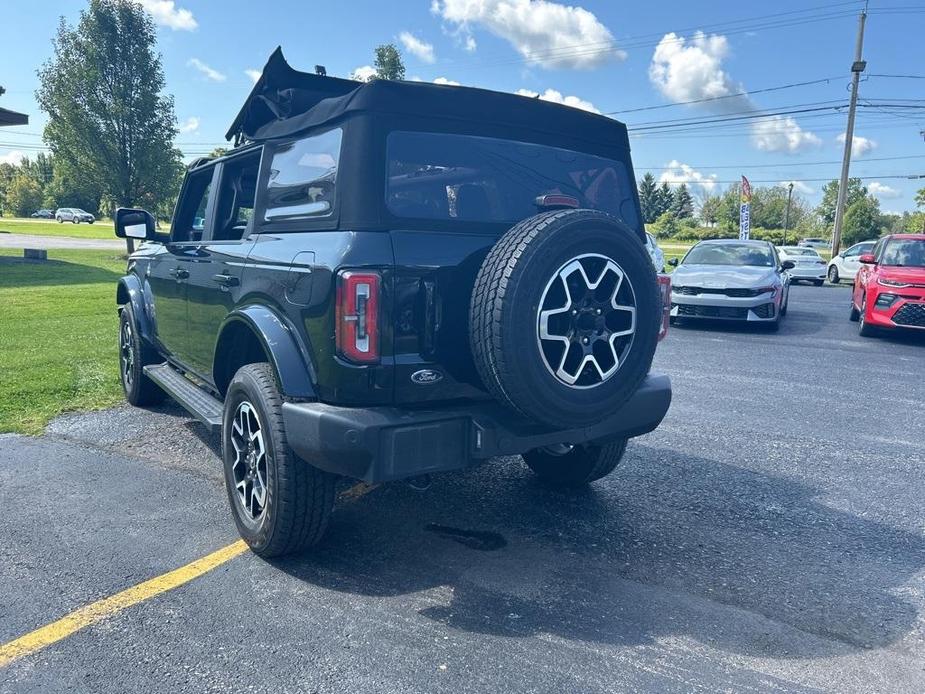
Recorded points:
(380, 444)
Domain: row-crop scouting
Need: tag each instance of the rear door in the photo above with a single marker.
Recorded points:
(451, 197)
(216, 262)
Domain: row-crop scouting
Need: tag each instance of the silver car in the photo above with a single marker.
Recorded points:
(73, 214)
(808, 265)
(731, 280)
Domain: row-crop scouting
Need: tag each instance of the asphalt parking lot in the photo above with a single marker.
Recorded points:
(769, 536)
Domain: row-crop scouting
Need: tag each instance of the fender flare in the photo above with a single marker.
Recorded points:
(282, 345)
(130, 290)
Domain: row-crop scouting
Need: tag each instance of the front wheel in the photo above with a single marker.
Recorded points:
(833, 275)
(565, 465)
(280, 503)
(134, 355)
(864, 328)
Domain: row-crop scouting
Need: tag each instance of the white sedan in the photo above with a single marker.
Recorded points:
(844, 266)
(808, 265)
(655, 253)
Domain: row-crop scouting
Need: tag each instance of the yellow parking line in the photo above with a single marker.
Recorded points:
(101, 609)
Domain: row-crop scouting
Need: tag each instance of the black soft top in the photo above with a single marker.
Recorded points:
(285, 102)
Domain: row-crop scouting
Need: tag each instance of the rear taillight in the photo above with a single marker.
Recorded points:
(664, 290)
(357, 330)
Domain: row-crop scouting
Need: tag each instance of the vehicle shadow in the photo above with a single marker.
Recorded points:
(743, 561)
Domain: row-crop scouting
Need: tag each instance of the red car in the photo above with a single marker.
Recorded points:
(889, 290)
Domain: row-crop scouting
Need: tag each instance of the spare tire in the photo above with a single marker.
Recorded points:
(565, 316)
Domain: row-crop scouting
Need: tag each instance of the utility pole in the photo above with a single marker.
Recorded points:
(787, 213)
(856, 69)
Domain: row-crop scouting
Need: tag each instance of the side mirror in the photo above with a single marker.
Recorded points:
(135, 224)
(673, 262)
(868, 259)
(788, 265)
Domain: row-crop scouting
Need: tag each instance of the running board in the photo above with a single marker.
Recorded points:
(203, 406)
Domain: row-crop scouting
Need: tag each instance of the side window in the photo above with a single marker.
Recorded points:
(191, 215)
(303, 175)
(852, 252)
(236, 191)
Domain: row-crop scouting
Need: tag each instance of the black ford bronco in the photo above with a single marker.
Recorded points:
(389, 279)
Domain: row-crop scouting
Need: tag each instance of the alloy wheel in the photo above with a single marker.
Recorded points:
(833, 275)
(127, 354)
(250, 463)
(586, 320)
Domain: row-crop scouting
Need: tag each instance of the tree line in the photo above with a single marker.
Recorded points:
(671, 213)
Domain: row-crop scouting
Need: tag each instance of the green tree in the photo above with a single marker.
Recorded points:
(710, 210)
(826, 209)
(920, 198)
(648, 198)
(862, 221)
(24, 195)
(41, 168)
(665, 199)
(108, 117)
(388, 63)
(68, 188)
(7, 173)
(683, 205)
(666, 225)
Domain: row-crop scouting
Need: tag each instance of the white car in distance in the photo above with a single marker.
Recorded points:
(808, 265)
(845, 265)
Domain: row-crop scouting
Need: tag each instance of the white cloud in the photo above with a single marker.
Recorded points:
(253, 74)
(166, 13)
(419, 49)
(881, 190)
(545, 33)
(556, 97)
(859, 145)
(687, 70)
(206, 71)
(677, 173)
(191, 125)
(444, 80)
(364, 73)
(782, 134)
(799, 187)
(13, 157)
(470, 45)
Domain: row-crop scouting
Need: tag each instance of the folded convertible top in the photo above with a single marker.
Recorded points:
(285, 102)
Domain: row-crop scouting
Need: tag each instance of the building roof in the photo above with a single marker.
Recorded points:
(285, 102)
(12, 118)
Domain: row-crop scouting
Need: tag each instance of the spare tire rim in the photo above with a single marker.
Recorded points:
(250, 463)
(586, 321)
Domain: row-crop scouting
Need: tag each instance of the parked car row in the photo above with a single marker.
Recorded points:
(74, 215)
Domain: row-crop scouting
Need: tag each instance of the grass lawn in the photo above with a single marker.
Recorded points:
(102, 229)
(58, 336)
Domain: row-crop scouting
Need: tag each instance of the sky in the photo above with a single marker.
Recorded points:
(640, 62)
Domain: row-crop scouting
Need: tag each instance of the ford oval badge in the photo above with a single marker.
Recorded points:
(425, 377)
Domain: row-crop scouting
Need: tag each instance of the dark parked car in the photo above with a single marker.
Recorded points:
(43, 214)
(73, 214)
(391, 279)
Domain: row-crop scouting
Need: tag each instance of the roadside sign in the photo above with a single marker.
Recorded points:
(745, 210)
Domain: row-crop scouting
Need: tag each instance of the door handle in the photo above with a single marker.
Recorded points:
(225, 280)
(178, 272)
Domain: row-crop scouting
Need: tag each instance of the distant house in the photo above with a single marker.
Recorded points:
(12, 118)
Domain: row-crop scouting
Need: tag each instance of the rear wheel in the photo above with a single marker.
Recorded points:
(833, 275)
(571, 466)
(280, 503)
(565, 316)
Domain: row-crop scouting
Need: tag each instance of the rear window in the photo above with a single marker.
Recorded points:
(480, 179)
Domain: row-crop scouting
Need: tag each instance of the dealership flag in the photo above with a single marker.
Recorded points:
(745, 210)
